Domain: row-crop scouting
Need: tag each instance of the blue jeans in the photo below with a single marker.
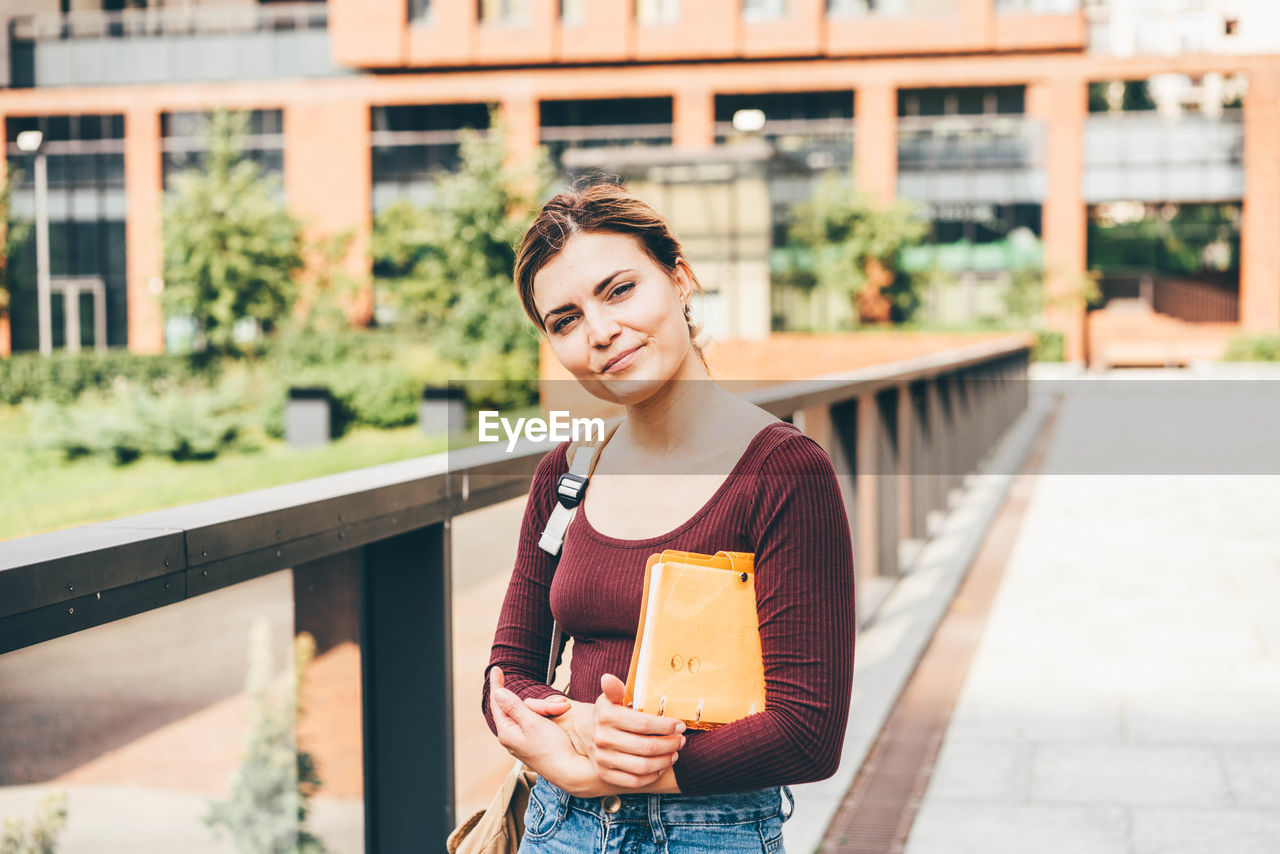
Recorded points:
(556, 821)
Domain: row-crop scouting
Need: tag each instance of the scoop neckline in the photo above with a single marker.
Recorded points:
(733, 475)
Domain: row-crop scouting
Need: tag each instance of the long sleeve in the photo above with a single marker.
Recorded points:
(523, 638)
(805, 600)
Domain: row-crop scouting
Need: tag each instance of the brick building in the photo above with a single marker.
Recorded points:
(1051, 129)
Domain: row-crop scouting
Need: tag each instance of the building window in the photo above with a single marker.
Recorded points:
(84, 157)
(972, 101)
(573, 12)
(183, 141)
(1038, 7)
(763, 10)
(605, 123)
(889, 8)
(411, 146)
(505, 12)
(420, 10)
(657, 12)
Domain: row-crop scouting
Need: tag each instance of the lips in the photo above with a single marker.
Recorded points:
(621, 361)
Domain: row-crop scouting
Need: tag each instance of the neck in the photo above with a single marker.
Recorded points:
(677, 411)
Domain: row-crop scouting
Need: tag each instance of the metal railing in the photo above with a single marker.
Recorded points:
(1184, 299)
(905, 433)
(969, 142)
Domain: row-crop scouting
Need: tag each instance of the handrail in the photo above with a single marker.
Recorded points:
(380, 539)
(201, 547)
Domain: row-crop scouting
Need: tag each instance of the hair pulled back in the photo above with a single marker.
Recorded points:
(600, 208)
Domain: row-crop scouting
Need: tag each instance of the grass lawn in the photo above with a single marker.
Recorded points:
(40, 491)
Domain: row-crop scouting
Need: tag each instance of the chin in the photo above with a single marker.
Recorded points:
(627, 391)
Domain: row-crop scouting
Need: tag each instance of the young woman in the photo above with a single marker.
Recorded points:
(690, 467)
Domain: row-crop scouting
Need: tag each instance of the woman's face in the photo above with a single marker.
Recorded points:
(613, 317)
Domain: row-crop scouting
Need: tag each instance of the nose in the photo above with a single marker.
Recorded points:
(601, 327)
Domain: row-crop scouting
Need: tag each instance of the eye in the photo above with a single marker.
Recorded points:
(562, 323)
(623, 288)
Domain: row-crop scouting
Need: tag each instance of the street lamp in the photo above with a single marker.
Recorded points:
(32, 142)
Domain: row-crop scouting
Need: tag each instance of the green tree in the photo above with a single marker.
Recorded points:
(855, 242)
(231, 247)
(15, 232)
(447, 268)
(271, 791)
(50, 819)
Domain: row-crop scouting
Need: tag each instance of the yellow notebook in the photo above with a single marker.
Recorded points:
(697, 651)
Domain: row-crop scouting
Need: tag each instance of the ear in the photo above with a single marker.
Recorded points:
(683, 280)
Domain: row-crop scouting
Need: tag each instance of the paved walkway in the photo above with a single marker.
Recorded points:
(1125, 696)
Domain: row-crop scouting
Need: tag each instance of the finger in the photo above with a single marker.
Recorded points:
(548, 706)
(614, 689)
(638, 765)
(506, 701)
(608, 738)
(610, 709)
(620, 717)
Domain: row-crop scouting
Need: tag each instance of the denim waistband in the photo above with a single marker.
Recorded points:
(755, 805)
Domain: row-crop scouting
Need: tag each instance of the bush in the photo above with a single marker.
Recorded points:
(64, 377)
(1050, 346)
(182, 426)
(49, 822)
(1254, 348)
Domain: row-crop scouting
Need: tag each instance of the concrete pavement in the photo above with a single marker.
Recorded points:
(1125, 696)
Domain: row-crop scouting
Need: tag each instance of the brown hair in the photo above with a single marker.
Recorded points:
(599, 208)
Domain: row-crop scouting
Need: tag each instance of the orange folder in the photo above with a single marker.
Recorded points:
(697, 651)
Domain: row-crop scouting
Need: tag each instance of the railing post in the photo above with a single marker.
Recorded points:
(326, 599)
(866, 546)
(407, 680)
(877, 484)
(910, 492)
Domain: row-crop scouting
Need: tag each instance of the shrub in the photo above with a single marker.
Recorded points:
(191, 425)
(49, 822)
(1050, 346)
(1254, 348)
(64, 377)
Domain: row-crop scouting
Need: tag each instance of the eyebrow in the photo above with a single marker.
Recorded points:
(604, 283)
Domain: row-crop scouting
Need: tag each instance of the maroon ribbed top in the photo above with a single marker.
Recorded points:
(782, 502)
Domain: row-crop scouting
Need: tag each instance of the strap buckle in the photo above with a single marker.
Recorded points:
(569, 489)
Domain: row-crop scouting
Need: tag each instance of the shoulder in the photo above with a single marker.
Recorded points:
(553, 464)
(787, 451)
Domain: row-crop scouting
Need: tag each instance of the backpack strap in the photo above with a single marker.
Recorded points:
(570, 490)
(569, 493)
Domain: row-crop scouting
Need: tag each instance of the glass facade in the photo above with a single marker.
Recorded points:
(890, 8)
(514, 12)
(410, 145)
(172, 42)
(658, 12)
(1038, 7)
(84, 158)
(604, 123)
(184, 143)
(764, 10)
(973, 161)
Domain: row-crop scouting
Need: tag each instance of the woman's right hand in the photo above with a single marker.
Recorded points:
(629, 749)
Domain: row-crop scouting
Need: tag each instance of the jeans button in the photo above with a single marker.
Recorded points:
(611, 803)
